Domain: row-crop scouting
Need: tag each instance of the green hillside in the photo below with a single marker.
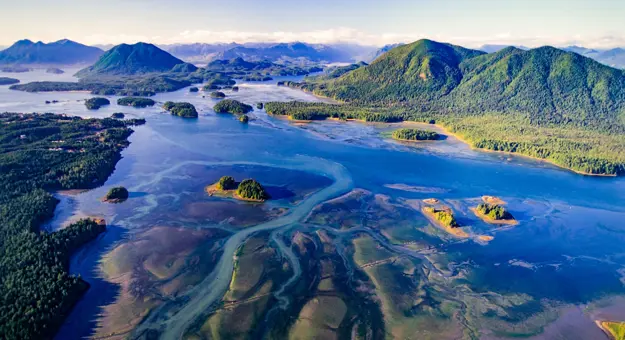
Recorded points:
(134, 59)
(545, 103)
(549, 84)
(421, 71)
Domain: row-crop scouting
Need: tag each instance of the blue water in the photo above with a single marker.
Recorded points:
(570, 238)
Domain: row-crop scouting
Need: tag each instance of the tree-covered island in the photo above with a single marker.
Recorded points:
(232, 106)
(135, 102)
(116, 195)
(96, 102)
(415, 135)
(247, 190)
(182, 109)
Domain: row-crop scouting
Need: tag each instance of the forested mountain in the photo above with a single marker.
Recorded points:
(135, 59)
(62, 52)
(420, 71)
(547, 82)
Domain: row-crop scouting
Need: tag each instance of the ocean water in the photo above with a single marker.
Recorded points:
(565, 258)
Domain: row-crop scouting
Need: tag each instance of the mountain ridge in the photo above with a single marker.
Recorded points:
(61, 52)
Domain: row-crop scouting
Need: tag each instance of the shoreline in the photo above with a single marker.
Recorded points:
(493, 221)
(465, 141)
(212, 190)
(457, 232)
(605, 329)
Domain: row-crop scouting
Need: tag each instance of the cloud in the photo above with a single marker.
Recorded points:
(351, 35)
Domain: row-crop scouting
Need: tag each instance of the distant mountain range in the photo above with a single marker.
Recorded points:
(373, 56)
(434, 75)
(62, 52)
(613, 57)
(139, 58)
(295, 52)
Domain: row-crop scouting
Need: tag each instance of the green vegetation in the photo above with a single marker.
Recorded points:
(616, 329)
(96, 102)
(244, 119)
(118, 115)
(544, 103)
(226, 183)
(494, 211)
(232, 106)
(218, 94)
(583, 149)
(252, 190)
(415, 134)
(8, 81)
(135, 102)
(116, 195)
(139, 58)
(444, 216)
(185, 110)
(193, 89)
(39, 153)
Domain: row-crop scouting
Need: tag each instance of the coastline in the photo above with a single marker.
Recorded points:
(465, 141)
(605, 329)
(457, 232)
(493, 221)
(212, 190)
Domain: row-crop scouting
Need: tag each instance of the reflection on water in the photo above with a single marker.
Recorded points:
(339, 261)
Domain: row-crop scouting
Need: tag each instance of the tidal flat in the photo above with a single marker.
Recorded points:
(341, 251)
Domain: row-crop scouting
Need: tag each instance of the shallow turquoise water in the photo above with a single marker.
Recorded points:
(568, 247)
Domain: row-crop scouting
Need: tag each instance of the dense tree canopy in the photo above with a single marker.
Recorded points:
(415, 134)
(116, 195)
(251, 189)
(494, 211)
(96, 102)
(135, 102)
(182, 109)
(226, 183)
(39, 153)
(232, 106)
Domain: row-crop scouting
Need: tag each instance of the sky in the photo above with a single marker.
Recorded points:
(471, 23)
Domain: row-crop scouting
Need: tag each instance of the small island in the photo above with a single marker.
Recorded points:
(235, 89)
(218, 94)
(135, 102)
(260, 106)
(8, 81)
(232, 106)
(118, 115)
(494, 214)
(116, 195)
(248, 190)
(193, 89)
(415, 135)
(15, 69)
(96, 102)
(614, 330)
(244, 119)
(445, 219)
(54, 70)
(182, 109)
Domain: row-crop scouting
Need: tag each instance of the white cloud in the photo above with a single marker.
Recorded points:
(350, 35)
